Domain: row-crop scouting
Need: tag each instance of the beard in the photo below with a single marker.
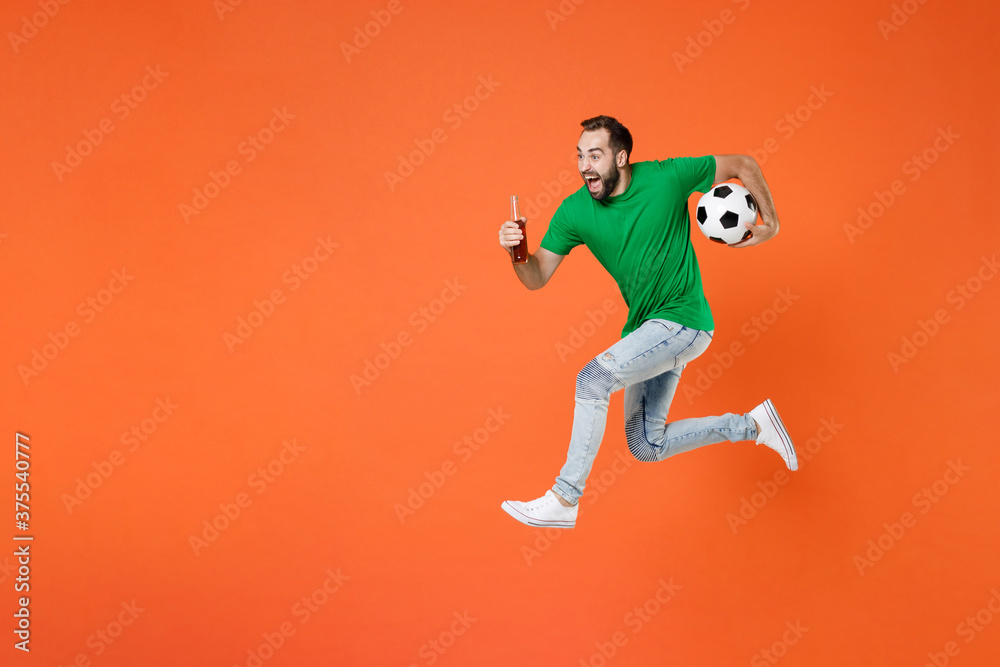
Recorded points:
(609, 182)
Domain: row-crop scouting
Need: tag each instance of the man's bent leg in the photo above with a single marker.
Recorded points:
(649, 438)
(657, 442)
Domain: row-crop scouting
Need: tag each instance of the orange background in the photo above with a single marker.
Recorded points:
(537, 599)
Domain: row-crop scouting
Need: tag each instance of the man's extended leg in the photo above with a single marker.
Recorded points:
(650, 438)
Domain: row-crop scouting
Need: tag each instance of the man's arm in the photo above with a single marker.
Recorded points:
(746, 169)
(540, 267)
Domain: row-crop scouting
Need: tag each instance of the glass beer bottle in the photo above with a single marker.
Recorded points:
(518, 253)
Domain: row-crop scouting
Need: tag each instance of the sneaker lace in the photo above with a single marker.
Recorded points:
(538, 502)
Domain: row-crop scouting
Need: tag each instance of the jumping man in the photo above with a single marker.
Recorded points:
(634, 219)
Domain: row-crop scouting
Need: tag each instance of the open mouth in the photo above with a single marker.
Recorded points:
(593, 182)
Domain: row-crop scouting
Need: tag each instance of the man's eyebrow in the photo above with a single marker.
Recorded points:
(589, 149)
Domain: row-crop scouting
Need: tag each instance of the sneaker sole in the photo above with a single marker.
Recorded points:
(528, 521)
(786, 440)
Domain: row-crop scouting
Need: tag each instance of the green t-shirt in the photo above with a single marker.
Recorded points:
(642, 237)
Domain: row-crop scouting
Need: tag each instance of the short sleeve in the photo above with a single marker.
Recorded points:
(561, 237)
(694, 174)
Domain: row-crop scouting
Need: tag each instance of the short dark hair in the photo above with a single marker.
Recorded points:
(621, 138)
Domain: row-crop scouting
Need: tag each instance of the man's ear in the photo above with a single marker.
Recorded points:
(622, 158)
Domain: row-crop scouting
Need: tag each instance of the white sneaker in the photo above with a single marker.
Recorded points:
(545, 512)
(773, 433)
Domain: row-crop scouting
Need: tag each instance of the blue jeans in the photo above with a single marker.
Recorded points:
(647, 364)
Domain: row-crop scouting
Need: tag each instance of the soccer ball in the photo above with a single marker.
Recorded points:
(724, 211)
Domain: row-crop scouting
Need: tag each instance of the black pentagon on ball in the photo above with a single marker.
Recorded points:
(723, 191)
(751, 203)
(729, 220)
(702, 215)
(747, 235)
(712, 238)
